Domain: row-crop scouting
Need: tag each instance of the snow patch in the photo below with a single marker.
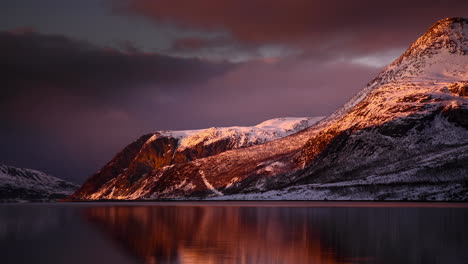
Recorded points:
(244, 136)
(208, 184)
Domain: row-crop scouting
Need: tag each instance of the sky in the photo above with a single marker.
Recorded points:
(82, 79)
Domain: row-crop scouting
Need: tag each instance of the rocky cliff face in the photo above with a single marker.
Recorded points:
(128, 172)
(30, 185)
(404, 136)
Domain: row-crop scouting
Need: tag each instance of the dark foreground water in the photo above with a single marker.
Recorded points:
(288, 232)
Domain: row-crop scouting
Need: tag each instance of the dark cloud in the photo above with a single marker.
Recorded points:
(354, 26)
(66, 106)
(32, 62)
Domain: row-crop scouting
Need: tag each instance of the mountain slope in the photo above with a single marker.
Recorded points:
(411, 128)
(164, 149)
(404, 136)
(30, 185)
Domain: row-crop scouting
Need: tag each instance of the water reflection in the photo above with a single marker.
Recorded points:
(52, 234)
(214, 234)
(209, 233)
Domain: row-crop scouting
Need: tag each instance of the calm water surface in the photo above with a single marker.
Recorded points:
(223, 232)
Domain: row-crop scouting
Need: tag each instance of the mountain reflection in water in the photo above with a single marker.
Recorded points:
(249, 234)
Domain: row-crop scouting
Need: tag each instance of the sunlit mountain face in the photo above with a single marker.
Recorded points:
(402, 137)
(258, 234)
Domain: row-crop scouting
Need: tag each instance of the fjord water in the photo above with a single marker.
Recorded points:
(234, 232)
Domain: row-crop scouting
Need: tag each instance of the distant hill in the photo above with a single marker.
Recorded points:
(17, 184)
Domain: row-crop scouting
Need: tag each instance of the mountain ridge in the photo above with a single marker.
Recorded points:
(387, 142)
(165, 149)
(20, 184)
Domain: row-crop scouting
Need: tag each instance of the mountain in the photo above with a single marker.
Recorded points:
(163, 150)
(30, 185)
(404, 136)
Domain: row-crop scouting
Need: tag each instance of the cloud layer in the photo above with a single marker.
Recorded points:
(84, 101)
(318, 26)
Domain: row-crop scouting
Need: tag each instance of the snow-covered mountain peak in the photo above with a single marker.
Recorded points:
(448, 33)
(439, 54)
(439, 58)
(244, 136)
